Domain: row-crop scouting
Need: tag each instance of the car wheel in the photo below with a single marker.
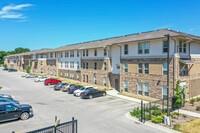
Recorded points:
(49, 83)
(104, 94)
(90, 97)
(24, 116)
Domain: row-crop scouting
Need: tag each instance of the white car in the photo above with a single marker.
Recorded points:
(79, 91)
(40, 79)
(31, 76)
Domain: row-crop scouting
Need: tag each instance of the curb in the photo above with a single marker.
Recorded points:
(156, 126)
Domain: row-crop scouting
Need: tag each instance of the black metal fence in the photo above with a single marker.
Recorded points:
(67, 127)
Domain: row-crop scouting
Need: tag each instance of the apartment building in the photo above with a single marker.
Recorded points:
(135, 63)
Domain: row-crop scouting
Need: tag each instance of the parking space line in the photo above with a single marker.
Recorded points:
(30, 129)
(120, 106)
(15, 122)
(109, 102)
(97, 98)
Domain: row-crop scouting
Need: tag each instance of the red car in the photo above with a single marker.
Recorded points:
(51, 81)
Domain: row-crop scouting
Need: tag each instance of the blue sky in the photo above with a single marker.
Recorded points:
(37, 24)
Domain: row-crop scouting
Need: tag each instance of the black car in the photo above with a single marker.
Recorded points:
(12, 70)
(73, 88)
(91, 93)
(10, 111)
(6, 69)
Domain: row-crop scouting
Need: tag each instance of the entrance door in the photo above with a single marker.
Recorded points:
(117, 84)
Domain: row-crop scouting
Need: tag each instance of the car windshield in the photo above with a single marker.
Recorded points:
(82, 88)
(64, 84)
(58, 84)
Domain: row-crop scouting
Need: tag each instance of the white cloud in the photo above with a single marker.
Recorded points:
(11, 11)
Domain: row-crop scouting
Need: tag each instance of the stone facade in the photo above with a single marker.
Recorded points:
(69, 74)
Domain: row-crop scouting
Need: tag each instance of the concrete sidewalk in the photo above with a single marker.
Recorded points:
(115, 94)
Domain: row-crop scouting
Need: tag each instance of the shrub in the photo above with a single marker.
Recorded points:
(136, 112)
(5, 65)
(192, 101)
(176, 113)
(147, 117)
(198, 108)
(1, 87)
(28, 68)
(156, 112)
(198, 99)
(157, 119)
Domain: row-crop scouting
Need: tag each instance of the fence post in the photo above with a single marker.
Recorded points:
(72, 124)
(150, 109)
(76, 126)
(163, 105)
(55, 125)
(141, 110)
(144, 112)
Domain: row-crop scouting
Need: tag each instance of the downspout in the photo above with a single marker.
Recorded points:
(175, 50)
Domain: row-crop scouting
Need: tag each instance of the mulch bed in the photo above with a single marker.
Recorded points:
(188, 106)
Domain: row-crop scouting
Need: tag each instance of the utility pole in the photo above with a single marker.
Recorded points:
(168, 47)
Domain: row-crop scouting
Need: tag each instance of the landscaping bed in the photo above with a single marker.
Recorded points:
(193, 105)
(156, 116)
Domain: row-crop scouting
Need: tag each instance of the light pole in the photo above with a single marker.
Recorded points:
(168, 45)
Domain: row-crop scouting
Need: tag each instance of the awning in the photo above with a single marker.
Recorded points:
(187, 62)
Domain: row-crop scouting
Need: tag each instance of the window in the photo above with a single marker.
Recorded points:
(41, 70)
(126, 67)
(61, 54)
(184, 71)
(66, 64)
(164, 91)
(140, 88)
(146, 89)
(83, 52)
(10, 108)
(51, 55)
(104, 81)
(95, 66)
(95, 79)
(139, 67)
(86, 65)
(41, 63)
(60, 64)
(87, 78)
(55, 55)
(83, 78)
(146, 47)
(165, 46)
(71, 64)
(164, 68)
(105, 66)
(77, 76)
(83, 65)
(77, 53)
(77, 65)
(140, 48)
(95, 52)
(105, 52)
(182, 46)
(65, 54)
(41, 56)
(86, 52)
(71, 53)
(146, 68)
(61, 74)
(125, 85)
(125, 49)
(65, 75)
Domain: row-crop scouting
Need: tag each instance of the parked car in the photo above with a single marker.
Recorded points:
(6, 69)
(31, 76)
(3, 99)
(12, 70)
(91, 93)
(79, 91)
(5, 95)
(40, 79)
(73, 88)
(51, 81)
(66, 87)
(59, 86)
(10, 111)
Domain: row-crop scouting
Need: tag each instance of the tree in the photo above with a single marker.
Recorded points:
(21, 50)
(2, 54)
(28, 68)
(179, 92)
(5, 65)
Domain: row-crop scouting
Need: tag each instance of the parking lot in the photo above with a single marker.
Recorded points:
(97, 115)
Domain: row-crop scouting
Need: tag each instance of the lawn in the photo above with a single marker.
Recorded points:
(189, 127)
